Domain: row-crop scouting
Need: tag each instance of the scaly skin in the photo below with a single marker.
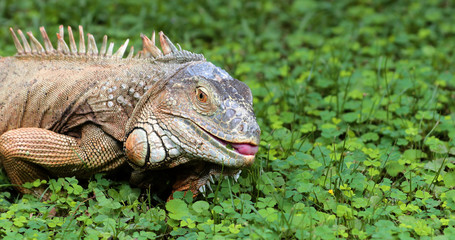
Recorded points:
(76, 112)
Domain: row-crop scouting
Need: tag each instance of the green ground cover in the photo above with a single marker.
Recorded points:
(355, 100)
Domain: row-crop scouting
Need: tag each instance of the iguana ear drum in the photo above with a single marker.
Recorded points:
(136, 147)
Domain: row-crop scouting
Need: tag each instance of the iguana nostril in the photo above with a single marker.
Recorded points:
(136, 147)
(243, 127)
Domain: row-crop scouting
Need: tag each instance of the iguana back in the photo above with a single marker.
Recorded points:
(63, 94)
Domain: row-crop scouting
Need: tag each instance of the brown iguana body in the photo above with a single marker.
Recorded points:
(71, 112)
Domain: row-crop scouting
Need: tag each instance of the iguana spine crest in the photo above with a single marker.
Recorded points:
(34, 48)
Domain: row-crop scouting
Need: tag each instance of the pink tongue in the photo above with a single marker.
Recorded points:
(245, 148)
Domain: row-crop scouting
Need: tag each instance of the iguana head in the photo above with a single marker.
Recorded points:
(201, 120)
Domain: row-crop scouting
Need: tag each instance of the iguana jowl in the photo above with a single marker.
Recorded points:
(76, 111)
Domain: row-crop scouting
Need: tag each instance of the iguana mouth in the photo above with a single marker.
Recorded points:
(245, 148)
(241, 148)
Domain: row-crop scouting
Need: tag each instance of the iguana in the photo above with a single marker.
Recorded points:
(77, 111)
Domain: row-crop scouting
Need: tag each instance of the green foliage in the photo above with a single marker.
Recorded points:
(355, 100)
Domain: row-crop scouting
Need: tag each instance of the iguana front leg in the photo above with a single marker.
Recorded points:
(28, 154)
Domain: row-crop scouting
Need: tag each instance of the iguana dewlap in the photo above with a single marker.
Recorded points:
(74, 110)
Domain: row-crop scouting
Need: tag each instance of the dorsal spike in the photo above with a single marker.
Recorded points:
(156, 51)
(92, 49)
(47, 42)
(62, 47)
(110, 50)
(61, 33)
(149, 47)
(27, 48)
(17, 43)
(121, 50)
(81, 40)
(131, 53)
(36, 45)
(73, 45)
(153, 38)
(103, 46)
(166, 44)
(32, 46)
(144, 48)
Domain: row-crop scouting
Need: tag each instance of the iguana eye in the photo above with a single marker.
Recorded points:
(201, 96)
(203, 100)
